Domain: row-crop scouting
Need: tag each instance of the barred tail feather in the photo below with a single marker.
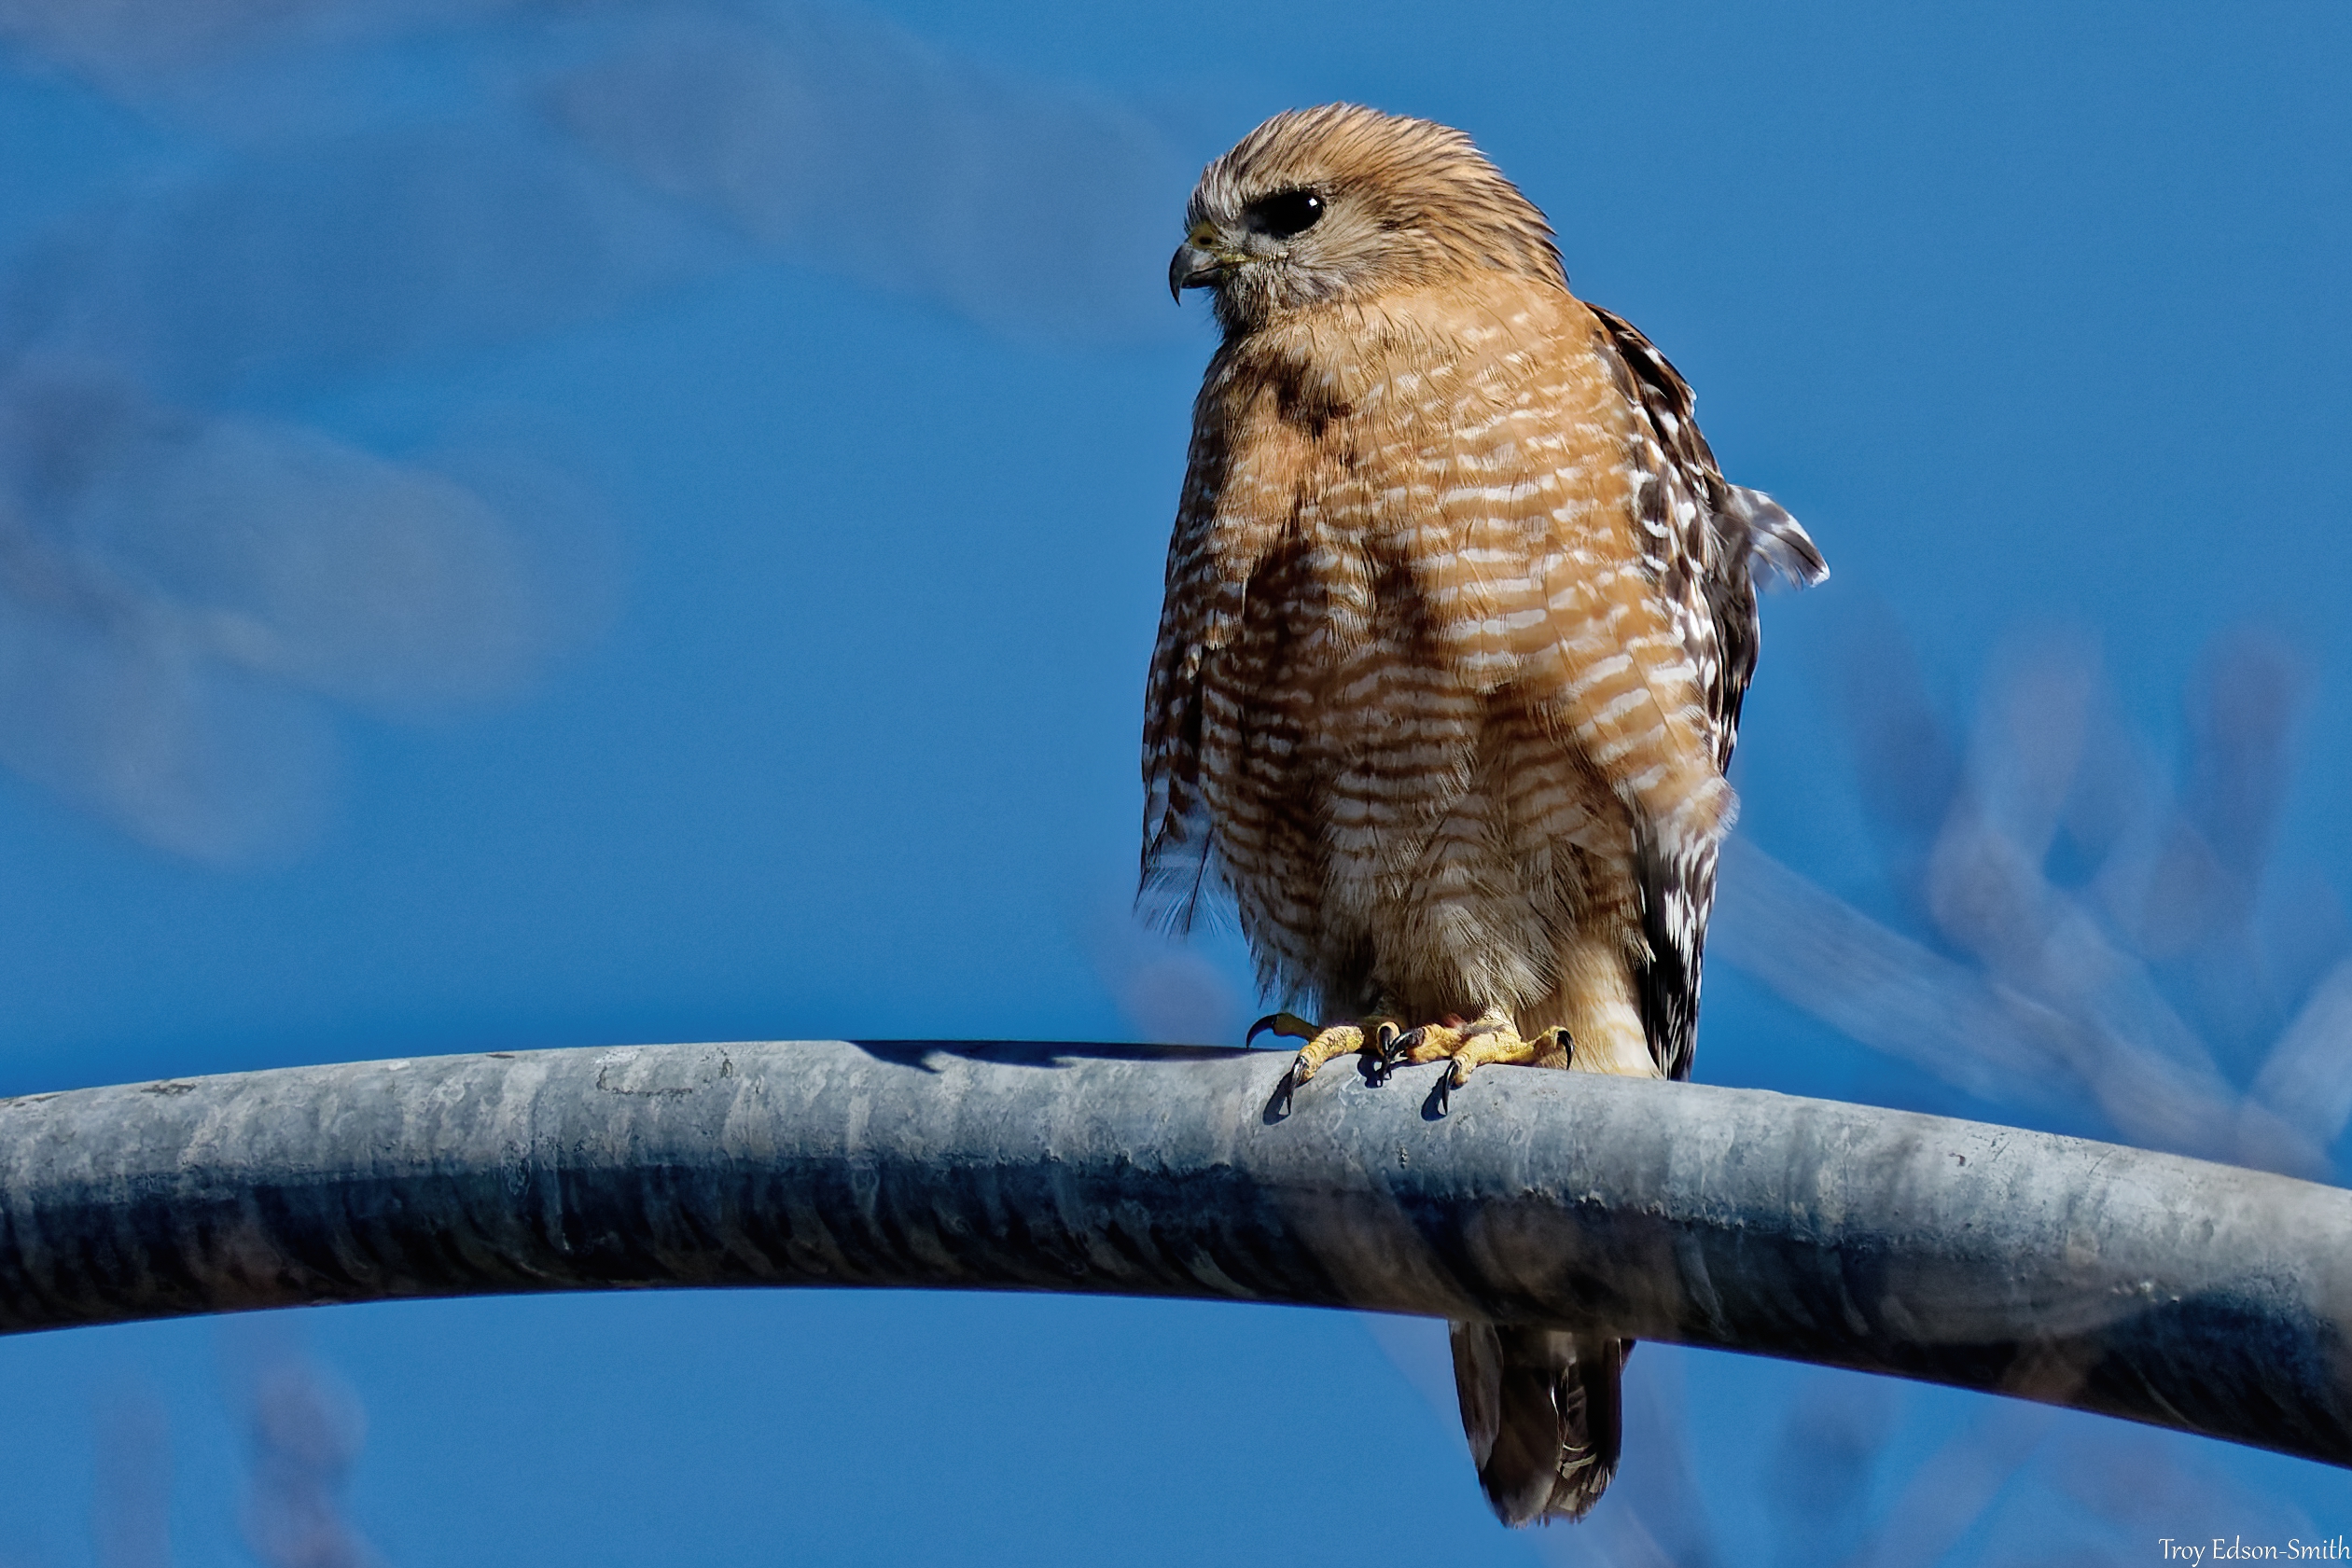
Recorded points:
(1542, 1411)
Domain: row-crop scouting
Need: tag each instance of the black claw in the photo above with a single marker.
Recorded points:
(1386, 1055)
(1258, 1028)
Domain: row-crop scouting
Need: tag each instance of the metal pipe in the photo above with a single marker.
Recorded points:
(2166, 1290)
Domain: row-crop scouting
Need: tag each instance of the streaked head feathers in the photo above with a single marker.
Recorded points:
(1341, 203)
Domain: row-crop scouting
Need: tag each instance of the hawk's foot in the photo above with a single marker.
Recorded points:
(1465, 1046)
(1374, 1037)
(1471, 1046)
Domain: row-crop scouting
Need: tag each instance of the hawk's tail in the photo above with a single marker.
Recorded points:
(1540, 1408)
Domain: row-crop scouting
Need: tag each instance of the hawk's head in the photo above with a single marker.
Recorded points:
(1339, 202)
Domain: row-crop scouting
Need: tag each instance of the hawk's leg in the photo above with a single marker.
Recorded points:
(1492, 1038)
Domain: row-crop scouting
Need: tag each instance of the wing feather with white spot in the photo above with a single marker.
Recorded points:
(1702, 538)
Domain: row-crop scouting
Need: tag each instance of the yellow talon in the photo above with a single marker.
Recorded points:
(1340, 1040)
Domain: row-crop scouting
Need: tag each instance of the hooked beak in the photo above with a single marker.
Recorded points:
(1200, 262)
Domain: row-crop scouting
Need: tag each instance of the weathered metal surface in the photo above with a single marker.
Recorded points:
(2168, 1290)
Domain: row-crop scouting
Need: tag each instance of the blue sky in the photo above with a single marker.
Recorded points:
(538, 525)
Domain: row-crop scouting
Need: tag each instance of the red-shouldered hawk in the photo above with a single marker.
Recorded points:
(1459, 615)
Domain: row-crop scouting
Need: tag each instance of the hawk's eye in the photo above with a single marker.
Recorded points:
(1286, 212)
